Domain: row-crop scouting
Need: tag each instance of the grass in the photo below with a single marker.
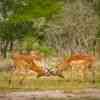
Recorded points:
(53, 83)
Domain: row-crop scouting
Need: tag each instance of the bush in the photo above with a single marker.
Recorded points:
(46, 50)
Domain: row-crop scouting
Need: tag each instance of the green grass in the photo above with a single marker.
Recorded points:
(52, 83)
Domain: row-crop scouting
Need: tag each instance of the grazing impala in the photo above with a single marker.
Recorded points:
(80, 62)
(28, 62)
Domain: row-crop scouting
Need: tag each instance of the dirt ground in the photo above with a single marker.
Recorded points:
(87, 94)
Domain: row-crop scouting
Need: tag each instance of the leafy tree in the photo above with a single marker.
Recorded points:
(10, 32)
(75, 29)
(16, 18)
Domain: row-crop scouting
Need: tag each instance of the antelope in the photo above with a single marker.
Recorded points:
(80, 62)
(26, 62)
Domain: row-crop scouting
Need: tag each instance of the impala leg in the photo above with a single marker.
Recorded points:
(23, 78)
(85, 76)
(72, 73)
(10, 79)
(93, 75)
(92, 71)
(12, 75)
(81, 73)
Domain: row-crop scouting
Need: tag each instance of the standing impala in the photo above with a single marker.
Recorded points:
(80, 62)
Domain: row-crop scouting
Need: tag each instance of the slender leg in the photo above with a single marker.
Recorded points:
(21, 81)
(93, 75)
(11, 75)
(92, 70)
(71, 73)
(23, 78)
(10, 79)
(81, 75)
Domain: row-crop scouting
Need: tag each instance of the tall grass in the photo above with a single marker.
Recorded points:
(43, 83)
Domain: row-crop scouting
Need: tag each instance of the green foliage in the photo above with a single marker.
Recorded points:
(43, 48)
(97, 6)
(46, 50)
(17, 20)
(98, 34)
(27, 43)
(11, 31)
(29, 9)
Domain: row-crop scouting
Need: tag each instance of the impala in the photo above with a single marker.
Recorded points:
(28, 62)
(82, 63)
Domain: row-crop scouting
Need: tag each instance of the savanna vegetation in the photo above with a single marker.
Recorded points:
(54, 28)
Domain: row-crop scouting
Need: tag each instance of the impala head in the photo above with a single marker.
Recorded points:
(44, 72)
(60, 67)
(47, 72)
(55, 72)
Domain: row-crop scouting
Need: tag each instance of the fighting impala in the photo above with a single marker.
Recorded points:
(28, 62)
(80, 62)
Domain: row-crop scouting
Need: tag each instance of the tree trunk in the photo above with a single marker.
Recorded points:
(4, 48)
(11, 46)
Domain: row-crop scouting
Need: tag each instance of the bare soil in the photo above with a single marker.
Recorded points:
(87, 94)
